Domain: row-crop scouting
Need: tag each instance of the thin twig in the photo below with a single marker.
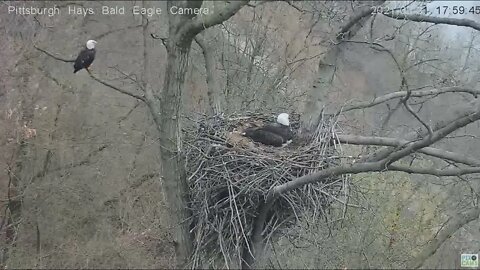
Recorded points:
(54, 56)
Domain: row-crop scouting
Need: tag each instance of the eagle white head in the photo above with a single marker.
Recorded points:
(91, 44)
(283, 119)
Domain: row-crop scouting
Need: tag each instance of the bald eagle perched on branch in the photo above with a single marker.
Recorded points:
(272, 134)
(85, 57)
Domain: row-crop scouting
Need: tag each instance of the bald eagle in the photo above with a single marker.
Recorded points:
(272, 134)
(85, 57)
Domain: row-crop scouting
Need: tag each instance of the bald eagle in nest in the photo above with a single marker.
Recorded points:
(276, 134)
(85, 57)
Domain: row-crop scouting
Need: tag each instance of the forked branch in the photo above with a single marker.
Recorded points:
(402, 94)
(431, 151)
(123, 91)
(435, 20)
(384, 164)
(54, 56)
(199, 23)
(453, 225)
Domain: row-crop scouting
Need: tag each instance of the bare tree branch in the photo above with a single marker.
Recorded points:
(123, 91)
(126, 92)
(54, 56)
(453, 225)
(164, 40)
(435, 20)
(431, 151)
(362, 13)
(433, 171)
(382, 164)
(84, 161)
(414, 93)
(291, 3)
(356, 168)
(410, 110)
(434, 137)
(115, 31)
(199, 23)
(212, 82)
(166, 107)
(415, 135)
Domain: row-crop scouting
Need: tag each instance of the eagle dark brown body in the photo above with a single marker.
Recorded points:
(85, 57)
(275, 134)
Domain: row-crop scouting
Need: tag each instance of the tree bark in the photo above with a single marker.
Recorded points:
(317, 101)
(212, 78)
(166, 107)
(318, 95)
(175, 182)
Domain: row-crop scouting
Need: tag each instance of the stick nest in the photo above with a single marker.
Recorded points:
(229, 177)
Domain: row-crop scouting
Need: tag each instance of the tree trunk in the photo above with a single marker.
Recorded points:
(317, 101)
(166, 106)
(318, 95)
(213, 91)
(173, 170)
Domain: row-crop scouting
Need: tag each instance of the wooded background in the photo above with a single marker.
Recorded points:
(81, 179)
